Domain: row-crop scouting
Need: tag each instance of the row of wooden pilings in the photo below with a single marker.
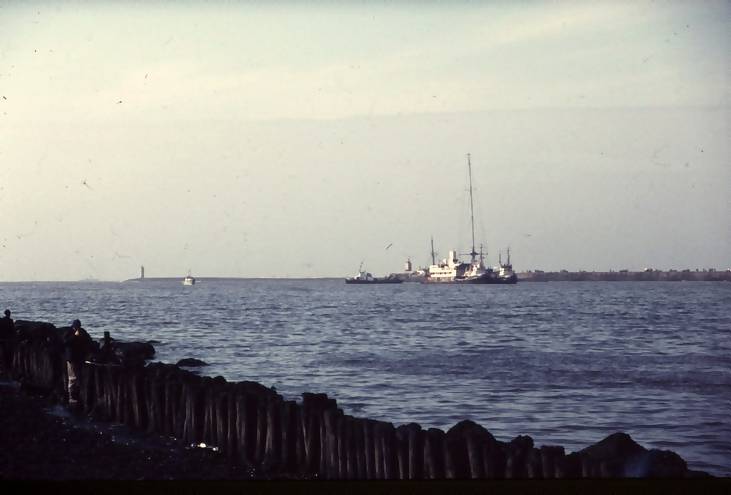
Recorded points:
(255, 426)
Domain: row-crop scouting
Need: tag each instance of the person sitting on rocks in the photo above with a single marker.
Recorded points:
(77, 346)
(7, 341)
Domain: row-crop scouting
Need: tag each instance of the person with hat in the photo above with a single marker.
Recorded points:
(77, 346)
(7, 341)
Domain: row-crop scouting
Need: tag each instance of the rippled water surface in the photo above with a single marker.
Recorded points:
(567, 363)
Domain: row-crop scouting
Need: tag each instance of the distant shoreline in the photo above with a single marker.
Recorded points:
(627, 276)
(528, 276)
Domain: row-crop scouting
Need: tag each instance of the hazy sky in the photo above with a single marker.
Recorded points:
(244, 139)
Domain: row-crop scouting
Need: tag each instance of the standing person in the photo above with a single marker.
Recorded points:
(77, 346)
(7, 341)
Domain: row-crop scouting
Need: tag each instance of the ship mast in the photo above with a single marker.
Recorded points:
(433, 254)
(473, 253)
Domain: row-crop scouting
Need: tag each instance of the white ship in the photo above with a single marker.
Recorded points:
(188, 280)
(451, 270)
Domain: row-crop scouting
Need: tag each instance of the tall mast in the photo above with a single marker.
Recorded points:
(472, 211)
(433, 254)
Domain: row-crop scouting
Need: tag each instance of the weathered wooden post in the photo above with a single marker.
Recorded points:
(232, 442)
(193, 407)
(455, 454)
(434, 454)
(517, 452)
(273, 442)
(153, 398)
(290, 427)
(569, 467)
(171, 392)
(368, 448)
(246, 425)
(415, 449)
(533, 467)
(360, 448)
(465, 449)
(589, 467)
(87, 387)
(350, 469)
(550, 460)
(312, 431)
(329, 465)
(494, 460)
(137, 395)
(388, 449)
(221, 399)
(110, 391)
(121, 401)
(261, 428)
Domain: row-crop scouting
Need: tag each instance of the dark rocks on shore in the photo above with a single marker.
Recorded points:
(132, 353)
(191, 362)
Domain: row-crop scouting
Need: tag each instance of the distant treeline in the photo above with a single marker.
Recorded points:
(627, 276)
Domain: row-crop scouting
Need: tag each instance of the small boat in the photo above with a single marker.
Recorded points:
(505, 273)
(363, 277)
(188, 280)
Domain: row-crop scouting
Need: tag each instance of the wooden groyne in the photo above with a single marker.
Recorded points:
(253, 425)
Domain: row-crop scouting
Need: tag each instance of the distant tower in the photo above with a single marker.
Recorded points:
(142, 271)
(407, 265)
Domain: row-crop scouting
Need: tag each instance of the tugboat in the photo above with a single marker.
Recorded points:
(453, 271)
(188, 280)
(363, 277)
(505, 272)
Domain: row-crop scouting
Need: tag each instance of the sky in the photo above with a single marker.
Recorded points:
(292, 139)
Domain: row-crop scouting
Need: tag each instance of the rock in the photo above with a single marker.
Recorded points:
(38, 331)
(191, 362)
(656, 464)
(132, 353)
(616, 445)
(611, 456)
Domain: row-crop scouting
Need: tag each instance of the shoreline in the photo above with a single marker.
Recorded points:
(258, 434)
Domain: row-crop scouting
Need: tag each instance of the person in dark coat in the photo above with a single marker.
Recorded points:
(77, 347)
(7, 341)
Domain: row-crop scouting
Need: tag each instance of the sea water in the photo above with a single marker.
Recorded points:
(566, 363)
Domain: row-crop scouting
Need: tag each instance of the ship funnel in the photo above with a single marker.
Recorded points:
(452, 260)
(407, 265)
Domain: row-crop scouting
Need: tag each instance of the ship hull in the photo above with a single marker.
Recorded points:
(375, 281)
(483, 280)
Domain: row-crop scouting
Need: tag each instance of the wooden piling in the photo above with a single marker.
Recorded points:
(434, 454)
(533, 466)
(359, 448)
(273, 442)
(494, 460)
(137, 399)
(193, 410)
(550, 460)
(154, 399)
(368, 449)
(289, 434)
(517, 453)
